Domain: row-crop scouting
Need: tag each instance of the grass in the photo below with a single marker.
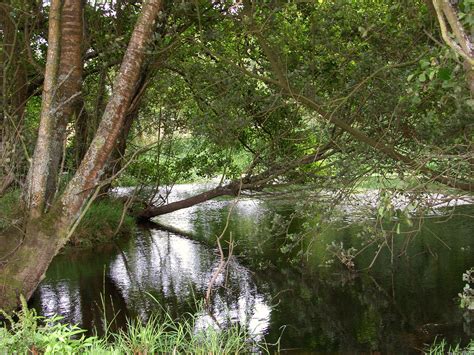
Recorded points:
(31, 333)
(9, 208)
(99, 225)
(442, 347)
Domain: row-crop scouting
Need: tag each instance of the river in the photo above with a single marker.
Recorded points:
(282, 283)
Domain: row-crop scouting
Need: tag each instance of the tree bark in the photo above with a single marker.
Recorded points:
(40, 166)
(153, 211)
(68, 102)
(87, 176)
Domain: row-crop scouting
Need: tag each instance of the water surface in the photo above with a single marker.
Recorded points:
(278, 287)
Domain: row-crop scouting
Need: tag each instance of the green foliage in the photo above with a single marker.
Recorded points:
(10, 208)
(100, 223)
(158, 335)
(442, 347)
(467, 295)
(183, 160)
(32, 334)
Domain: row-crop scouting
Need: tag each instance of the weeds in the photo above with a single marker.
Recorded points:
(33, 334)
(442, 347)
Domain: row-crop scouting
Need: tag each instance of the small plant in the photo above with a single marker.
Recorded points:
(33, 334)
(345, 256)
(467, 295)
(442, 347)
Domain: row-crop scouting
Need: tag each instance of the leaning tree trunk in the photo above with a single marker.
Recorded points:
(68, 102)
(46, 235)
(40, 165)
(233, 188)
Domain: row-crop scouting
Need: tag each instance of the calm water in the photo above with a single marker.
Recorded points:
(276, 286)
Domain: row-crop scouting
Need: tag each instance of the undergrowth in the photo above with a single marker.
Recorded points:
(442, 347)
(9, 208)
(100, 223)
(33, 334)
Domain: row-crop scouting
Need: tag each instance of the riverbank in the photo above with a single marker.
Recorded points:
(104, 220)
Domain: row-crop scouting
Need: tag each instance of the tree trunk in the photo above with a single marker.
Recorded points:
(153, 211)
(68, 103)
(40, 166)
(46, 235)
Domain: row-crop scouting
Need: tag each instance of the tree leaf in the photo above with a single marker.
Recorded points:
(444, 74)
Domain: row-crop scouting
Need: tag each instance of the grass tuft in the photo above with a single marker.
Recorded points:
(34, 334)
(442, 347)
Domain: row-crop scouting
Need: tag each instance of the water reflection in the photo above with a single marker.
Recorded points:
(172, 269)
(405, 301)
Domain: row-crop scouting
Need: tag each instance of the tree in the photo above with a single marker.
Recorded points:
(448, 15)
(321, 93)
(48, 230)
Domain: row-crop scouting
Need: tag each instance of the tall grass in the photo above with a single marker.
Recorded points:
(31, 333)
(442, 347)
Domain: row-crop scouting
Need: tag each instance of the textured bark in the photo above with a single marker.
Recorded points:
(68, 102)
(25, 270)
(447, 14)
(45, 236)
(150, 212)
(91, 168)
(40, 166)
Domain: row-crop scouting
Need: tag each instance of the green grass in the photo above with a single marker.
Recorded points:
(9, 208)
(442, 347)
(100, 223)
(31, 333)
